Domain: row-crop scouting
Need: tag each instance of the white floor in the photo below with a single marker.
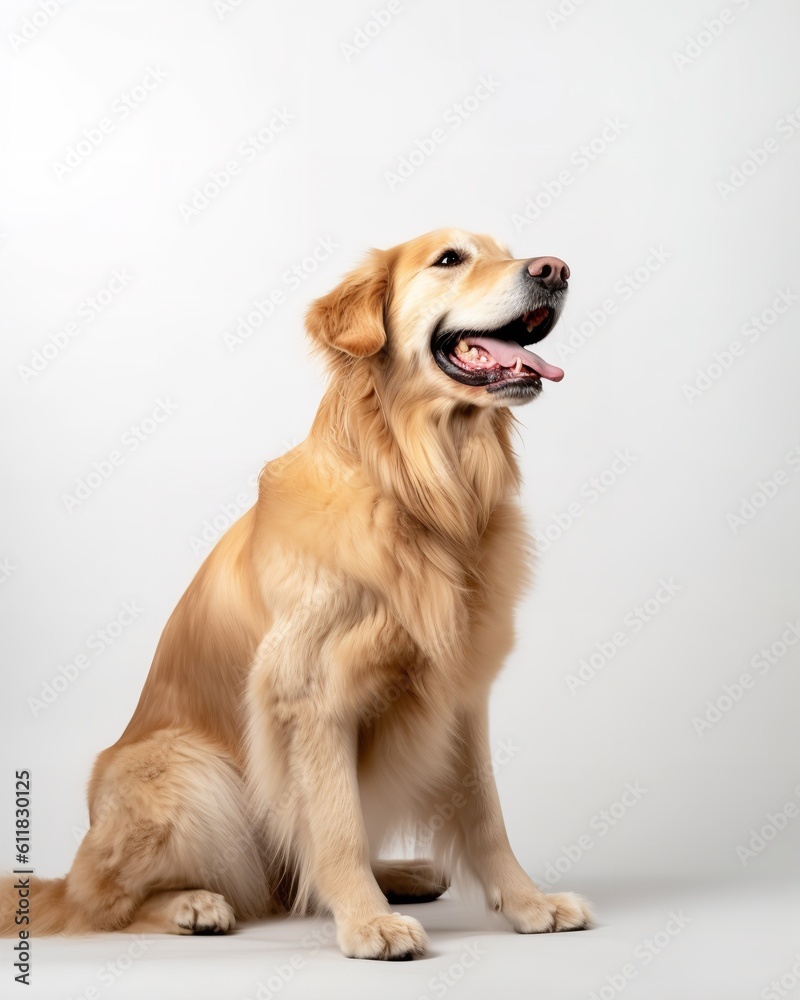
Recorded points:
(676, 942)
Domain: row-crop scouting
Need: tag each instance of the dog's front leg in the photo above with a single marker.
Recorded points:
(335, 849)
(508, 888)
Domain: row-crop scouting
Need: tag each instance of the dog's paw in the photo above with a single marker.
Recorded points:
(202, 912)
(557, 911)
(390, 936)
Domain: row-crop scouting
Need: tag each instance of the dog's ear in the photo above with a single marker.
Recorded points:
(350, 318)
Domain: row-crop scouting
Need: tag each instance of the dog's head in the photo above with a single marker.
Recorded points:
(449, 313)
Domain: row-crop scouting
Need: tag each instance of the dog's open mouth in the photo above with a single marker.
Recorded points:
(496, 359)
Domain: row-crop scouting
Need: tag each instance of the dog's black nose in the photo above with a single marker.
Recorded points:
(552, 272)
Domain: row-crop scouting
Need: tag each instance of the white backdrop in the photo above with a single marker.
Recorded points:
(179, 179)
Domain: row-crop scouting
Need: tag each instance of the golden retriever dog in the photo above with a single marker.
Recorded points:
(320, 691)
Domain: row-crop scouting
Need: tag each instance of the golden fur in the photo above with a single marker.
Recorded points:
(322, 685)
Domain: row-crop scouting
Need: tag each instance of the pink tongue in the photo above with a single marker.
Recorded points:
(506, 352)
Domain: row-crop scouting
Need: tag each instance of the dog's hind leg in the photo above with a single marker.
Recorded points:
(188, 911)
(170, 846)
(409, 881)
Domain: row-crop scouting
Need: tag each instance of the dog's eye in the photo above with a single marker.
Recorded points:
(448, 259)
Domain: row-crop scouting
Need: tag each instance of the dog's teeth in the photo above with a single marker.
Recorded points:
(531, 323)
(462, 347)
(518, 365)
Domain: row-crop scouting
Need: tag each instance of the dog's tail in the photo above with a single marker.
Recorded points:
(36, 905)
